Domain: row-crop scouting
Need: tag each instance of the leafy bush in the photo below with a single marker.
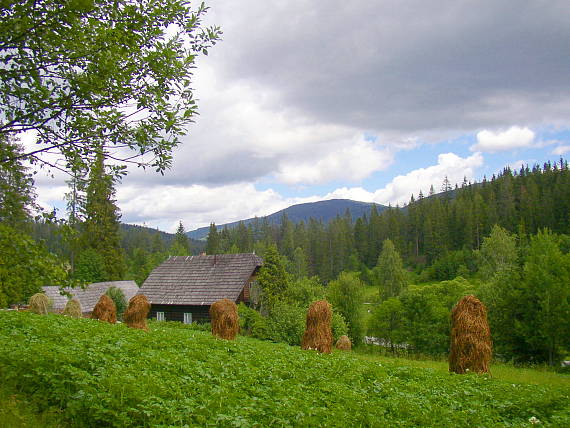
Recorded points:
(118, 297)
(286, 324)
(247, 318)
(339, 327)
(347, 295)
(304, 291)
(26, 266)
(425, 312)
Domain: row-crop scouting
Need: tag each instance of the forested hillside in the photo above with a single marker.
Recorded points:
(424, 231)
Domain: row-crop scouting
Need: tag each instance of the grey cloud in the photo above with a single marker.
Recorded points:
(209, 169)
(406, 66)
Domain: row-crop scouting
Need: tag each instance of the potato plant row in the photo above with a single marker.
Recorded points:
(108, 375)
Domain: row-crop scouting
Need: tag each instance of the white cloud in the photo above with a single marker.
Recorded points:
(197, 205)
(353, 161)
(399, 190)
(513, 138)
(162, 206)
(561, 150)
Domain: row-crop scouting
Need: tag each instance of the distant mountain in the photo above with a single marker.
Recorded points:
(133, 234)
(322, 210)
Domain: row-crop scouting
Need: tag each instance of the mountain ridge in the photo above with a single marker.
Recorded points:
(325, 211)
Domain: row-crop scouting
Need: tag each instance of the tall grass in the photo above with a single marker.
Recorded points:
(537, 375)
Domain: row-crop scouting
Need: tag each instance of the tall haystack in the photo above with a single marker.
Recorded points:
(318, 332)
(137, 312)
(343, 343)
(73, 308)
(105, 310)
(39, 304)
(225, 319)
(471, 346)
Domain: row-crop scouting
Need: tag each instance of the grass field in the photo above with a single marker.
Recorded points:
(505, 372)
(86, 373)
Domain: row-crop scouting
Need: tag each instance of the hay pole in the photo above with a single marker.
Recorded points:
(136, 314)
(225, 319)
(471, 346)
(318, 331)
(105, 310)
(73, 308)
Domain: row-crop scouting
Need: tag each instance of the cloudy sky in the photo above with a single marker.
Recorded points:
(368, 100)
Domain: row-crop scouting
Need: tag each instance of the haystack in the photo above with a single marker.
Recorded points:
(318, 332)
(343, 343)
(39, 304)
(105, 310)
(73, 308)
(137, 312)
(225, 319)
(471, 346)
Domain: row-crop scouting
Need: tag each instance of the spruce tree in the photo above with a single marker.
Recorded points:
(100, 230)
(272, 279)
(213, 240)
(16, 185)
(181, 244)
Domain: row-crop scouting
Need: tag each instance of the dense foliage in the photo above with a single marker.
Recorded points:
(108, 375)
(26, 266)
(118, 297)
(92, 72)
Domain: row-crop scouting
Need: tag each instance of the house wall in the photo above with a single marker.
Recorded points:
(176, 312)
(200, 313)
(245, 295)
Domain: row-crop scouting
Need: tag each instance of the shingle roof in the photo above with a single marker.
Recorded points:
(89, 296)
(199, 280)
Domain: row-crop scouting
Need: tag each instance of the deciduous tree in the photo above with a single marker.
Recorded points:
(91, 72)
(346, 295)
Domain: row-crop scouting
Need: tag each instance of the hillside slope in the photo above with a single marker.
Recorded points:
(321, 210)
(100, 374)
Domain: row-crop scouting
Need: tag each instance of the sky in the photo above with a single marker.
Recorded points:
(365, 100)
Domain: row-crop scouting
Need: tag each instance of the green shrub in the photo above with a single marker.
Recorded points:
(247, 318)
(339, 327)
(30, 267)
(287, 323)
(118, 297)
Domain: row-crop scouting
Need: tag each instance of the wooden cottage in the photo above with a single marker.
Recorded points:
(183, 287)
